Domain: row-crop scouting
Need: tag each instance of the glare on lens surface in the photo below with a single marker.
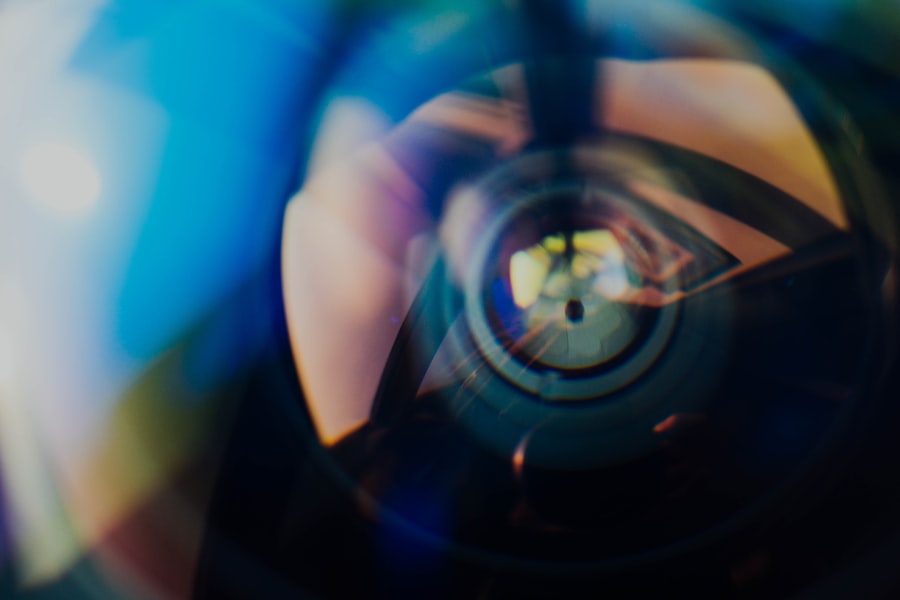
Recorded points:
(594, 265)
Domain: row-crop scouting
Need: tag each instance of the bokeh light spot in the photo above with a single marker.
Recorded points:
(60, 178)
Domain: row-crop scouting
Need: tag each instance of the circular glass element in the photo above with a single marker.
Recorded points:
(565, 312)
(572, 292)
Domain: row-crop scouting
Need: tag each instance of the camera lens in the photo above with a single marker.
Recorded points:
(634, 295)
(482, 298)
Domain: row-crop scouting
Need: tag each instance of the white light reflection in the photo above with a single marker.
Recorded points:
(41, 536)
(6, 358)
(61, 178)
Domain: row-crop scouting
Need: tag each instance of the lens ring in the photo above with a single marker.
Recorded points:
(595, 417)
(553, 384)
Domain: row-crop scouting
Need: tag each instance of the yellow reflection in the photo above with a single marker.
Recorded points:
(555, 244)
(528, 270)
(543, 270)
(600, 242)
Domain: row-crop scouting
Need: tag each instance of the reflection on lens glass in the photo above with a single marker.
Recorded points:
(566, 286)
(563, 291)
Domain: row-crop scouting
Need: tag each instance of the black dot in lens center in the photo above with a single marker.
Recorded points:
(574, 310)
